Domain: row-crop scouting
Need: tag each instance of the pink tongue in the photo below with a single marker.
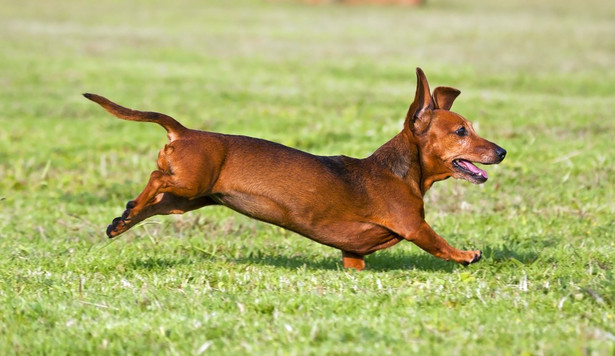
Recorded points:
(472, 168)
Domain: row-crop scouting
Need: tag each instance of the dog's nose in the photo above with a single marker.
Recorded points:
(500, 152)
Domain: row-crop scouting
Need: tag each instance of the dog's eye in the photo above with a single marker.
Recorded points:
(461, 131)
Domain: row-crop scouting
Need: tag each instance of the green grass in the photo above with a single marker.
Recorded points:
(537, 78)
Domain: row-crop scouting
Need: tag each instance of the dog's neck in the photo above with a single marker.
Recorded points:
(399, 154)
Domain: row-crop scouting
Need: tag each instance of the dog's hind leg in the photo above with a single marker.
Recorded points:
(165, 204)
(161, 196)
(352, 260)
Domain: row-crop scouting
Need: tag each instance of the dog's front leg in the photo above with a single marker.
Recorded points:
(427, 239)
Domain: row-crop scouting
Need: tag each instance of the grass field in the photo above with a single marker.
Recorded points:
(538, 78)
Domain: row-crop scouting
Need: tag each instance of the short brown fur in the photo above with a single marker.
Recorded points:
(356, 205)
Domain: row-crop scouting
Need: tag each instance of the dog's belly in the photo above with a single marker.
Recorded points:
(319, 223)
(357, 237)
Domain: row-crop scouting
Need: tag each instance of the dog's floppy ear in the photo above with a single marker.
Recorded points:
(419, 114)
(443, 97)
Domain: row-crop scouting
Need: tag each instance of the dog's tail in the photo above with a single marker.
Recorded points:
(170, 124)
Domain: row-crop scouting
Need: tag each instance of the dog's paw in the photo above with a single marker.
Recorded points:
(472, 257)
(477, 256)
(117, 226)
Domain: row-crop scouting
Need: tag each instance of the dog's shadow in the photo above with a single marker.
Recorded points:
(388, 260)
(381, 261)
(503, 254)
(157, 263)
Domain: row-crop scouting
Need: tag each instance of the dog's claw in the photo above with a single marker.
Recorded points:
(477, 257)
(110, 229)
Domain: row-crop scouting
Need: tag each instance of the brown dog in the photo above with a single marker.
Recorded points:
(357, 205)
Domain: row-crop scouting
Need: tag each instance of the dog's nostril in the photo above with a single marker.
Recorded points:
(500, 152)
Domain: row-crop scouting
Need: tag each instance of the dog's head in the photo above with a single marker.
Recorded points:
(448, 144)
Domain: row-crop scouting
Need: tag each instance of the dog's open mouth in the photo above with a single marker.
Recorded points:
(470, 171)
